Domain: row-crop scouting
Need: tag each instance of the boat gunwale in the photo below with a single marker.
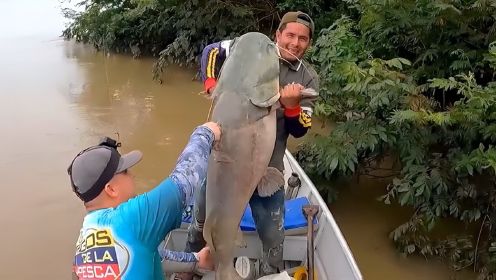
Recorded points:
(326, 212)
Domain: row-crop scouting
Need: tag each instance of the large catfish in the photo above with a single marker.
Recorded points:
(246, 99)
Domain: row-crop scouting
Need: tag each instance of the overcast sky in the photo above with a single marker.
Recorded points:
(26, 18)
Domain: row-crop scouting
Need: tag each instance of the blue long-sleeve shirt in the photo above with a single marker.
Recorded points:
(124, 240)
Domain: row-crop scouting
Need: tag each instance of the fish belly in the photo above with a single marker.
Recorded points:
(235, 168)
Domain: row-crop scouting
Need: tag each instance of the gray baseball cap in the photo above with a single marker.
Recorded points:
(95, 166)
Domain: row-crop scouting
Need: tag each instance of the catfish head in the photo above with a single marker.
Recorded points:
(252, 69)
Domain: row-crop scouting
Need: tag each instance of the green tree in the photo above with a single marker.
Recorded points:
(177, 31)
(412, 80)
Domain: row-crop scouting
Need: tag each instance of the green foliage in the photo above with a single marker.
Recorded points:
(197, 24)
(136, 27)
(412, 80)
(441, 38)
(177, 31)
(356, 91)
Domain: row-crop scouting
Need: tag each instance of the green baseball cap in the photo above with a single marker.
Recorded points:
(299, 17)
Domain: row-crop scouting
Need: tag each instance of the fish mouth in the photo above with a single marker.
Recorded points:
(266, 103)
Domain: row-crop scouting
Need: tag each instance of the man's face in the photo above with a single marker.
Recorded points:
(125, 182)
(295, 38)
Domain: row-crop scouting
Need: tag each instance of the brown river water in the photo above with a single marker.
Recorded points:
(57, 97)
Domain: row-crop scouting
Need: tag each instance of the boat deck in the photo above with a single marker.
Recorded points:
(333, 258)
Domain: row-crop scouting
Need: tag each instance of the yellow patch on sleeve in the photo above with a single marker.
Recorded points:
(305, 119)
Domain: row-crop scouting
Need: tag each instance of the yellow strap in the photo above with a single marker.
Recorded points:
(212, 56)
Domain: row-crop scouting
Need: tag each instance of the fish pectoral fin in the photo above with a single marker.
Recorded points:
(265, 103)
(240, 241)
(271, 182)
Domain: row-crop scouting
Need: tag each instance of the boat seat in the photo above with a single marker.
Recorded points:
(294, 220)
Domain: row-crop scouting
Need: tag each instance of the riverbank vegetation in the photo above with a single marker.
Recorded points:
(411, 81)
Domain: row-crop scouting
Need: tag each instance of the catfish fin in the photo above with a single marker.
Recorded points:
(271, 182)
(265, 103)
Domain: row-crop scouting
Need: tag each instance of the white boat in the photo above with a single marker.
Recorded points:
(333, 259)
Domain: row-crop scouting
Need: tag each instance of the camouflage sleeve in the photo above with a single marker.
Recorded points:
(191, 167)
(173, 261)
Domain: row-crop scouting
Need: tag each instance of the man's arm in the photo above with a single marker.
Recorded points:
(191, 167)
(298, 119)
(213, 56)
(173, 261)
(155, 213)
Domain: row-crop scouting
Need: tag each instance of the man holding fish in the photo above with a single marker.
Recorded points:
(296, 87)
(121, 231)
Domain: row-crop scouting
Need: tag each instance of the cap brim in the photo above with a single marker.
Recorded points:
(129, 160)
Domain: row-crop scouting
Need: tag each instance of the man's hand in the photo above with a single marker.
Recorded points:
(215, 129)
(205, 261)
(291, 95)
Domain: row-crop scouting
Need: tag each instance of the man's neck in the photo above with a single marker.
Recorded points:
(293, 65)
(97, 206)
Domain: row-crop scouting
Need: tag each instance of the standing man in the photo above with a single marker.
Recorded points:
(293, 38)
(121, 231)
